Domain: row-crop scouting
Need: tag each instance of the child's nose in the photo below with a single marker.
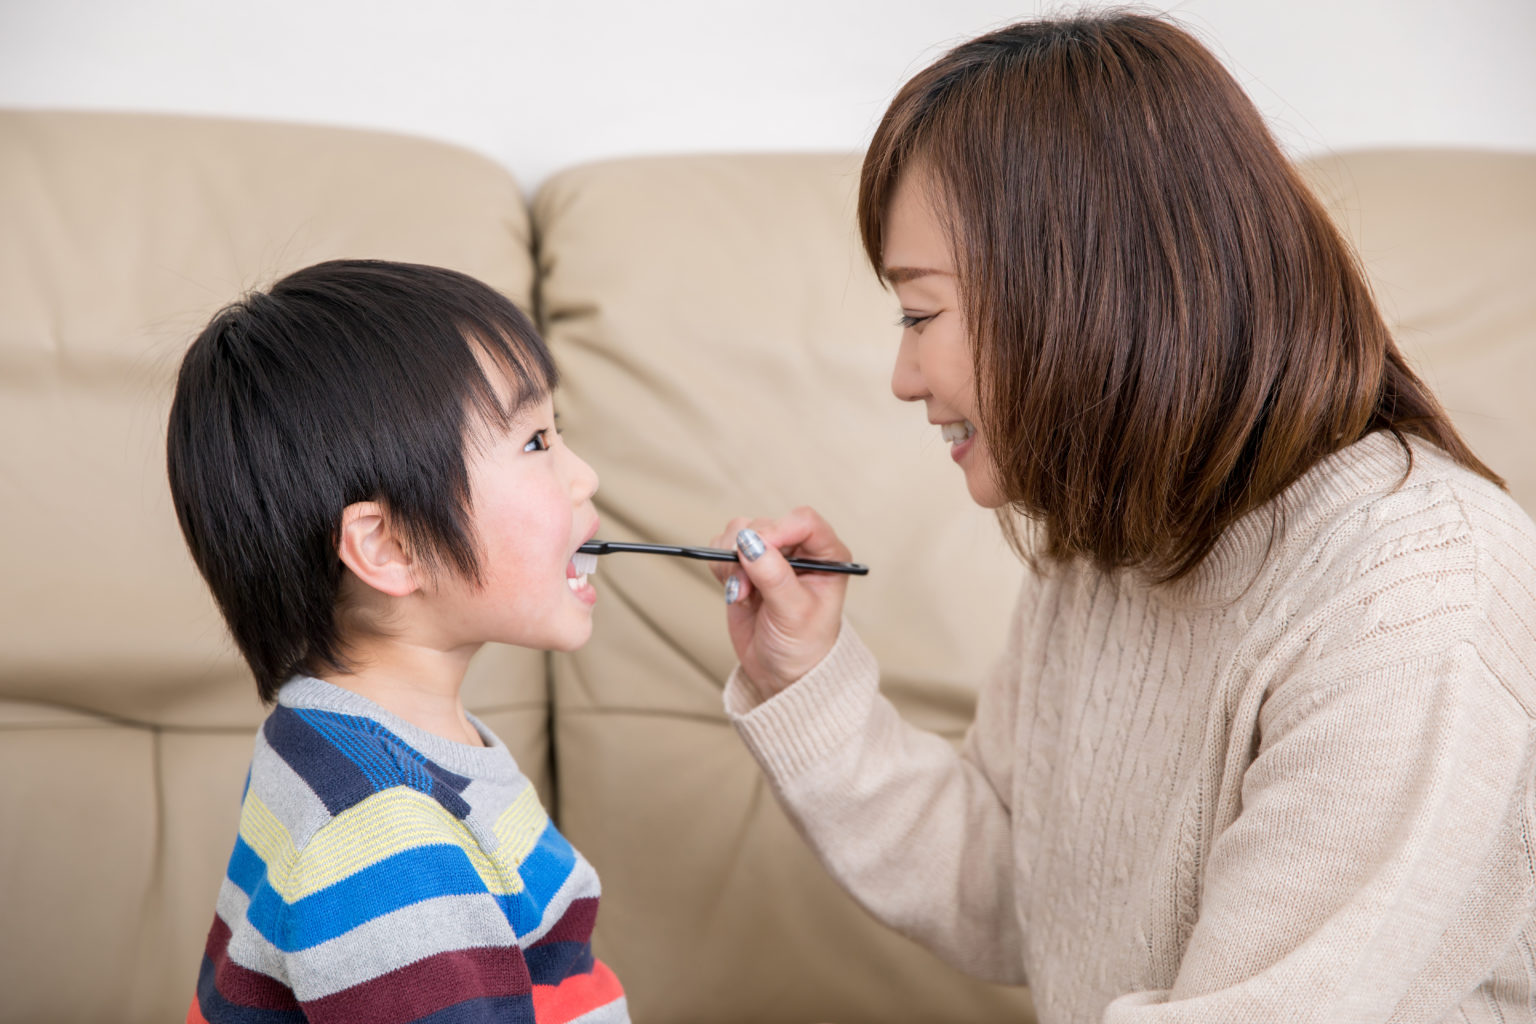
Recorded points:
(583, 480)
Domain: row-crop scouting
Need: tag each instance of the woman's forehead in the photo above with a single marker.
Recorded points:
(915, 242)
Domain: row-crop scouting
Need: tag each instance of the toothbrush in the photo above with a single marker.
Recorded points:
(608, 547)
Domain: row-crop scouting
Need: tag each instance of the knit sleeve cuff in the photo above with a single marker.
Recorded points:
(812, 717)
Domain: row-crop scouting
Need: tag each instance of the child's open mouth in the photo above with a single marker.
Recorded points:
(577, 570)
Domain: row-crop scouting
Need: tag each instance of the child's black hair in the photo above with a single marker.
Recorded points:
(351, 380)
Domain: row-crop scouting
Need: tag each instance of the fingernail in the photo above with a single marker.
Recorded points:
(750, 545)
(732, 590)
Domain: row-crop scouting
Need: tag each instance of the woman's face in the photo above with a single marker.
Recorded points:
(933, 364)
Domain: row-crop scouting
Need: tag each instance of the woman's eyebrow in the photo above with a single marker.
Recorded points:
(901, 275)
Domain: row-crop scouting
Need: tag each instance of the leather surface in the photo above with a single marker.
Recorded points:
(727, 351)
(1448, 239)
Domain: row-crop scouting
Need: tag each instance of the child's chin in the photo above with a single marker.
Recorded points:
(574, 640)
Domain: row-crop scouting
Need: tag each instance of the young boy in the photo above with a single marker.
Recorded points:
(366, 469)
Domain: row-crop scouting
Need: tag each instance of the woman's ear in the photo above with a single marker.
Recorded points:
(368, 547)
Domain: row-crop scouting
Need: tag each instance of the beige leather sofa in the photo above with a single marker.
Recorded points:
(725, 351)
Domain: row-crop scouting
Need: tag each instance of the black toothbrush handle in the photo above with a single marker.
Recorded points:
(609, 547)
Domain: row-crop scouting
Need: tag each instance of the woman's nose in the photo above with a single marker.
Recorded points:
(907, 381)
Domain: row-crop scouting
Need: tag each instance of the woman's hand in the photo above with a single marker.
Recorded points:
(782, 623)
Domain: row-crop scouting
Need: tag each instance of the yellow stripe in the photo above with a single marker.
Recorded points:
(383, 825)
(518, 828)
(266, 835)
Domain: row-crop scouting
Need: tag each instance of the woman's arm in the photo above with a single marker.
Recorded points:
(919, 834)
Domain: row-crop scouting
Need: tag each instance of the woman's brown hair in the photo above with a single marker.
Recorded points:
(1167, 329)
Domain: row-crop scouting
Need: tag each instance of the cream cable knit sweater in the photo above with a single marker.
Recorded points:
(1297, 786)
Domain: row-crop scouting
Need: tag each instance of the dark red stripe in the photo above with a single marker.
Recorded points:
(575, 925)
(426, 986)
(241, 985)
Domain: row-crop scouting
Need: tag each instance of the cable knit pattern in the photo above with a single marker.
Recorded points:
(1294, 786)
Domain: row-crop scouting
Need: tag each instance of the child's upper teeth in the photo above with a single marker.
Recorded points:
(958, 431)
(582, 565)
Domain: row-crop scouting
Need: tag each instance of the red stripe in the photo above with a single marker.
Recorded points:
(241, 985)
(575, 925)
(426, 986)
(576, 995)
(195, 1014)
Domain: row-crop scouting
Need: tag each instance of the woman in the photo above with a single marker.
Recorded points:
(1260, 745)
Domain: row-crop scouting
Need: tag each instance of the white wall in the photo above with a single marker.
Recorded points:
(541, 84)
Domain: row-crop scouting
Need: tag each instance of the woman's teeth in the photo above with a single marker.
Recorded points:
(956, 432)
(584, 565)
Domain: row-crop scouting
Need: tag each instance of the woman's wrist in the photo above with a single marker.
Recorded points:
(814, 716)
(762, 686)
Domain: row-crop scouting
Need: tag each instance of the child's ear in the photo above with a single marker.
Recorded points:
(368, 547)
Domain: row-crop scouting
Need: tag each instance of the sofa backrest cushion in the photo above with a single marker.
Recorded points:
(1448, 239)
(727, 351)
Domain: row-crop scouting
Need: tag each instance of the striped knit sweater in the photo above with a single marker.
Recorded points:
(1298, 786)
(385, 874)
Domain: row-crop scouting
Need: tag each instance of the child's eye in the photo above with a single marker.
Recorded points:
(538, 442)
(907, 320)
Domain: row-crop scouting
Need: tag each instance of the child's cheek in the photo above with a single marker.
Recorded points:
(538, 540)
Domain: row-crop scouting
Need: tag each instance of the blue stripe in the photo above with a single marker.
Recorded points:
(332, 777)
(551, 963)
(543, 871)
(398, 881)
(401, 880)
(486, 1010)
(341, 732)
(246, 868)
(383, 759)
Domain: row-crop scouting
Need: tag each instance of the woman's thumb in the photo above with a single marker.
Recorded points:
(767, 568)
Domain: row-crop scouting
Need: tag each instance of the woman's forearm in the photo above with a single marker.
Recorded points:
(919, 834)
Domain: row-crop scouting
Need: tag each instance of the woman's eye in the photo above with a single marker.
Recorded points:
(537, 443)
(908, 320)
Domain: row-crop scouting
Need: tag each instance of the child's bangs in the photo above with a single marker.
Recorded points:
(514, 371)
